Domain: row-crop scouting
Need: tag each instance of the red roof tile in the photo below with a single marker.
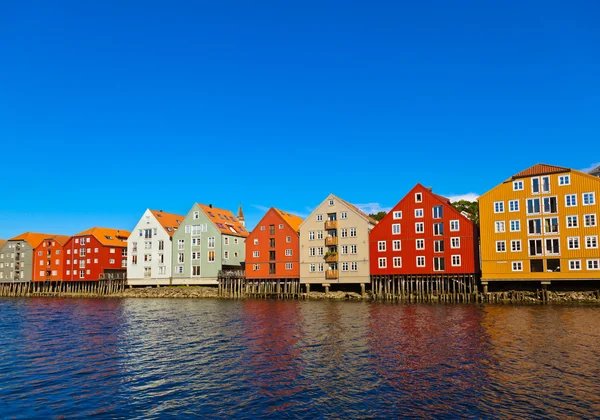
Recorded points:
(225, 221)
(540, 169)
(169, 221)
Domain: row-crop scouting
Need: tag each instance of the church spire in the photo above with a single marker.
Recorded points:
(241, 216)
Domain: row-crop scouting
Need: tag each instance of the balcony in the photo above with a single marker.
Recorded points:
(331, 257)
(331, 274)
(331, 240)
(331, 224)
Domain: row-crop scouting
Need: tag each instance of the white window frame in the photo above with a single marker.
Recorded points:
(498, 207)
(593, 242)
(513, 206)
(590, 264)
(515, 223)
(574, 265)
(456, 257)
(397, 215)
(562, 179)
(573, 202)
(419, 227)
(422, 259)
(454, 225)
(396, 245)
(381, 246)
(396, 229)
(574, 217)
(514, 242)
(452, 242)
(498, 248)
(382, 262)
(421, 242)
(589, 216)
(593, 198)
(419, 213)
(418, 197)
(499, 226)
(517, 266)
(573, 240)
(397, 262)
(518, 185)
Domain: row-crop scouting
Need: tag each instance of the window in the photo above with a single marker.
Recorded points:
(396, 245)
(111, 261)
(533, 206)
(550, 205)
(344, 233)
(552, 246)
(500, 246)
(320, 267)
(572, 221)
(344, 215)
(439, 264)
(353, 266)
(517, 266)
(320, 251)
(255, 254)
(281, 226)
(311, 251)
(331, 202)
(256, 241)
(288, 252)
(456, 261)
(438, 246)
(181, 257)
(546, 184)
(382, 262)
(418, 213)
(499, 207)
(574, 265)
(564, 180)
(235, 240)
(396, 229)
(589, 220)
(311, 268)
(381, 246)
(288, 239)
(534, 226)
(211, 256)
(288, 266)
(438, 229)
(513, 205)
(211, 242)
(112, 250)
(147, 245)
(515, 225)
(454, 225)
(517, 185)
(262, 228)
(397, 215)
(319, 234)
(570, 200)
(255, 267)
(591, 242)
(420, 261)
(551, 225)
(134, 260)
(344, 249)
(499, 226)
(179, 269)
(515, 245)
(353, 232)
(188, 229)
(593, 264)
(535, 185)
(418, 198)
(196, 256)
(535, 247)
(319, 217)
(419, 227)
(271, 242)
(352, 249)
(147, 257)
(311, 235)
(420, 244)
(226, 255)
(225, 240)
(437, 212)
(573, 242)
(588, 198)
(181, 244)
(455, 242)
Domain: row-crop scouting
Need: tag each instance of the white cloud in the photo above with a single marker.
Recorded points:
(372, 208)
(468, 197)
(296, 213)
(589, 168)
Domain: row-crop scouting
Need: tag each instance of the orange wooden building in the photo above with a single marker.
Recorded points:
(48, 258)
(273, 247)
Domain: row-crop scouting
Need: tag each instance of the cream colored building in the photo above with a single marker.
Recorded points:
(334, 244)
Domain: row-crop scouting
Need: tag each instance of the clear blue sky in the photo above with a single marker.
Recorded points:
(111, 107)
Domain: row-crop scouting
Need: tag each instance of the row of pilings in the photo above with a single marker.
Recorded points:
(442, 288)
(98, 288)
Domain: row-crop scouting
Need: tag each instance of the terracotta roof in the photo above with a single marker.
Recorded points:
(291, 219)
(169, 221)
(61, 239)
(540, 169)
(32, 238)
(359, 211)
(225, 221)
(2, 242)
(107, 236)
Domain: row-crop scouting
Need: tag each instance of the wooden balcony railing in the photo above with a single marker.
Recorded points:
(331, 274)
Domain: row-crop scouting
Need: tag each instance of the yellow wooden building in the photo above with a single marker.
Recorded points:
(541, 225)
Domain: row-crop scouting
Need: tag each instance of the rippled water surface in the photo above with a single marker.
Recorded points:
(252, 359)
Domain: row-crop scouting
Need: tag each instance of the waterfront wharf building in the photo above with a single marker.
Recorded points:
(273, 247)
(334, 244)
(208, 240)
(541, 225)
(17, 257)
(150, 249)
(96, 254)
(426, 244)
(48, 258)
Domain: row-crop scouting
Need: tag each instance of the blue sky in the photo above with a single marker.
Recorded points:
(111, 107)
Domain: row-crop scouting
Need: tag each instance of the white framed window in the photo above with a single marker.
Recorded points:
(255, 267)
(499, 226)
(515, 245)
(311, 251)
(439, 264)
(571, 200)
(344, 232)
(593, 264)
(454, 225)
(591, 242)
(226, 255)
(574, 265)
(437, 212)
(255, 241)
(456, 261)
(551, 225)
(455, 242)
(179, 269)
(535, 185)
(572, 221)
(225, 240)
(331, 202)
(319, 217)
(500, 246)
(534, 226)
(211, 256)
(344, 266)
(311, 268)
(564, 180)
(344, 215)
(311, 235)
(211, 242)
(515, 225)
(533, 206)
(517, 266)
(288, 239)
(438, 246)
(111, 261)
(235, 240)
(513, 205)
(438, 229)
(573, 242)
(281, 226)
(517, 185)
(320, 251)
(418, 213)
(288, 252)
(289, 266)
(196, 215)
(320, 267)
(354, 266)
(588, 198)
(262, 228)
(319, 234)
(255, 254)
(112, 251)
(552, 246)
(498, 206)
(589, 220)
(396, 229)
(419, 227)
(353, 232)
(546, 184)
(418, 198)
(344, 249)
(420, 261)
(381, 246)
(420, 244)
(382, 262)
(397, 215)
(353, 249)
(188, 229)
(396, 246)
(397, 262)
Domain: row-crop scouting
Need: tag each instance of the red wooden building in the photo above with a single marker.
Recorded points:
(424, 235)
(273, 247)
(94, 252)
(48, 258)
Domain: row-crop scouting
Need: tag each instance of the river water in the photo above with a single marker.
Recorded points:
(161, 358)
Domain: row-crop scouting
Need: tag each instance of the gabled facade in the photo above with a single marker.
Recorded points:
(273, 247)
(96, 252)
(17, 257)
(334, 244)
(48, 259)
(541, 225)
(424, 235)
(150, 248)
(209, 240)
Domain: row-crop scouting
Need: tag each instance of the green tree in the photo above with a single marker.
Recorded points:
(378, 216)
(469, 207)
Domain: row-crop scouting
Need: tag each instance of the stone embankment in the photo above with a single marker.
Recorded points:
(213, 292)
